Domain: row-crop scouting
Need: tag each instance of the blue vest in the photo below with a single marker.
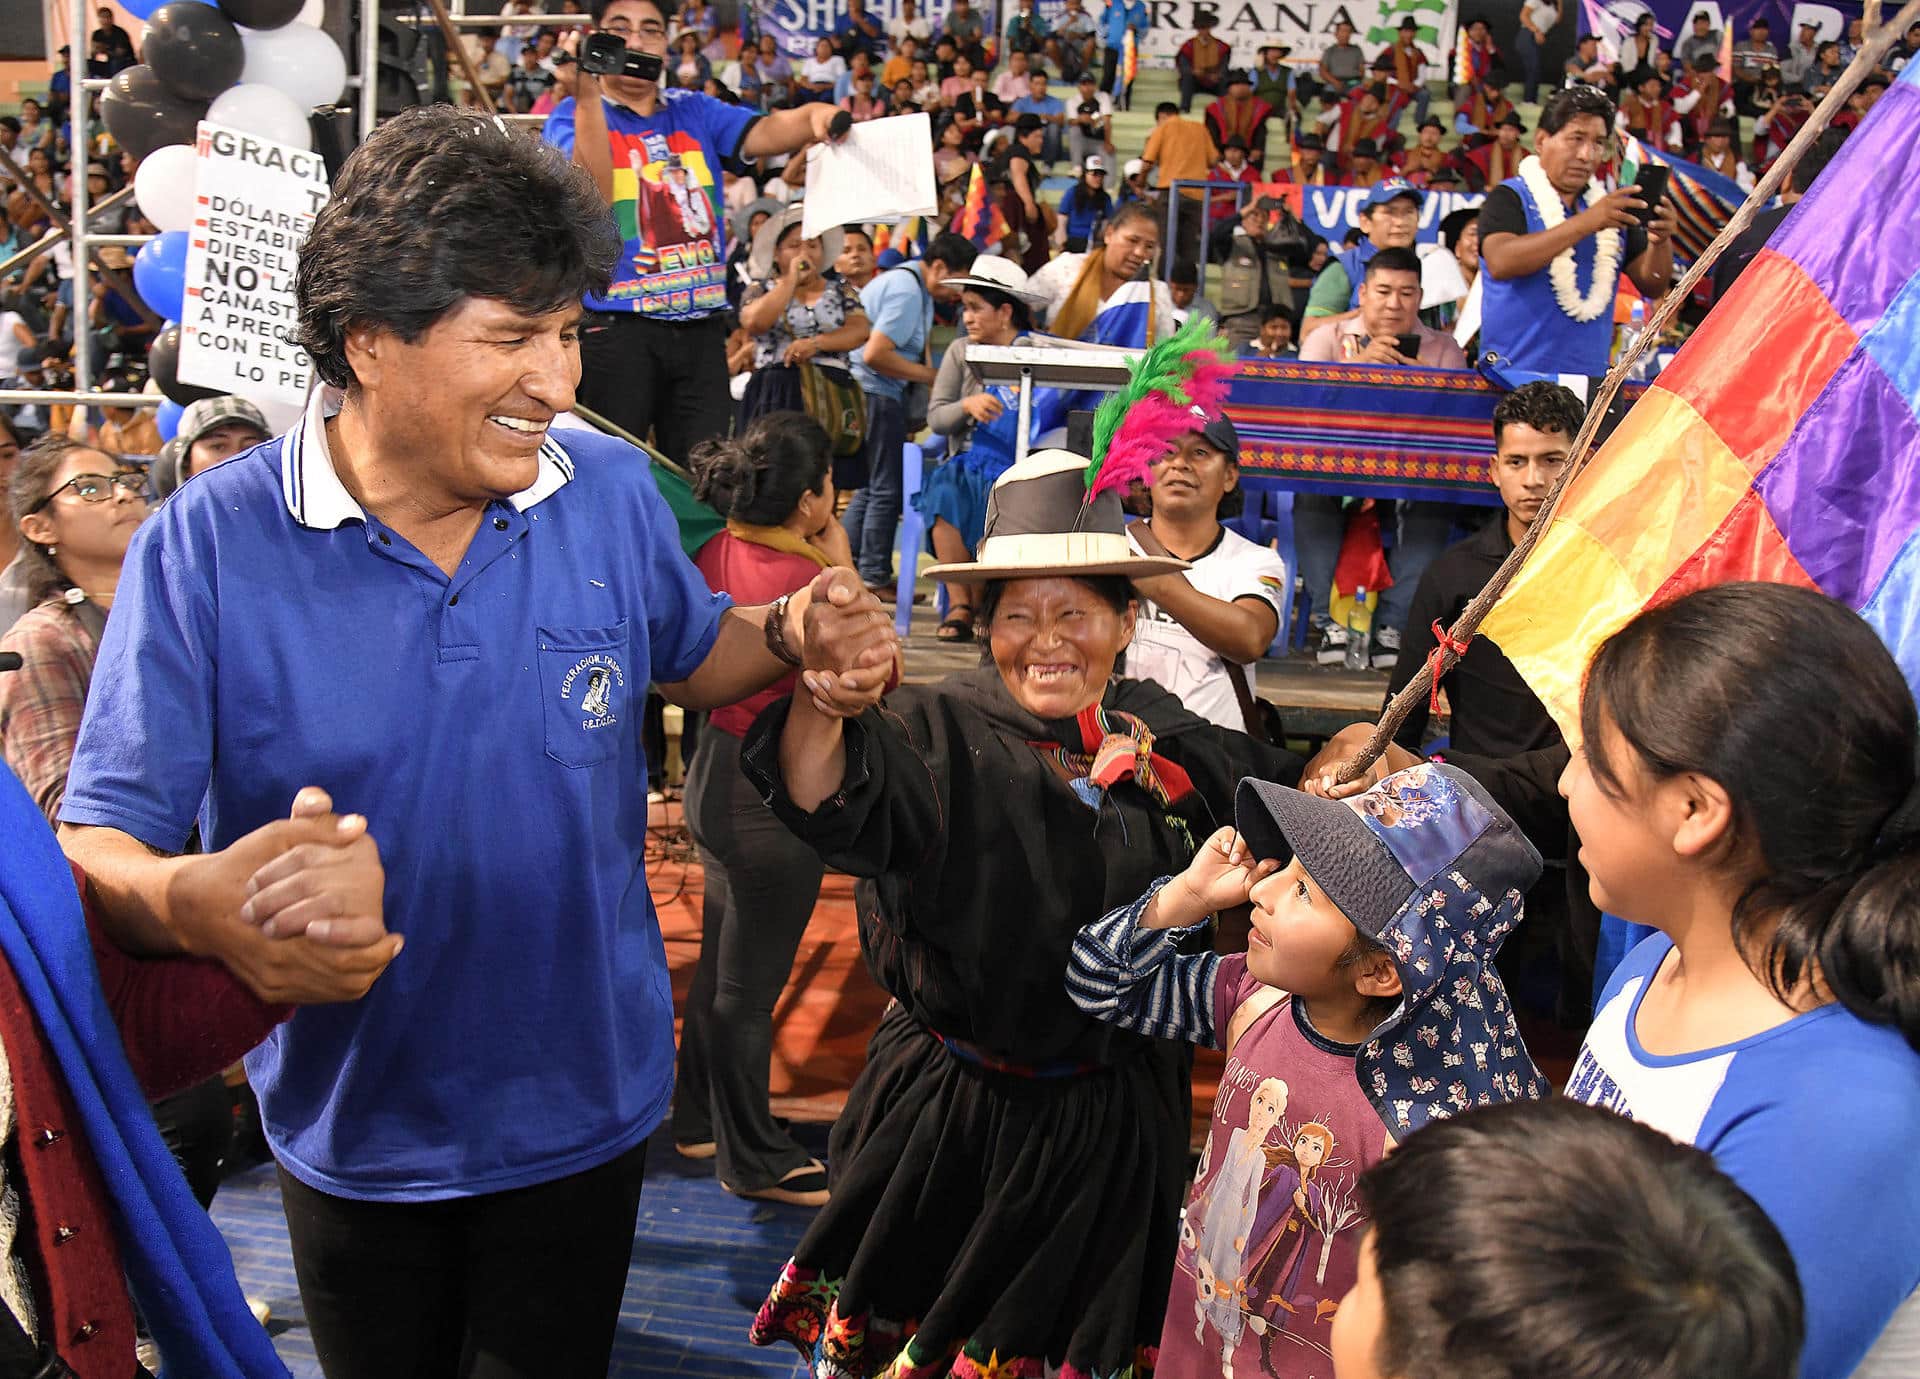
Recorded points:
(1522, 324)
(1355, 261)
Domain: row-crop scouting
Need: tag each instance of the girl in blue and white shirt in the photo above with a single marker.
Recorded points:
(1763, 815)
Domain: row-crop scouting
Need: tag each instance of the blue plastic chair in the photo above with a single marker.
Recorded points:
(913, 535)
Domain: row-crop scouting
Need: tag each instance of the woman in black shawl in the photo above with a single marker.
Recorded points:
(1008, 1172)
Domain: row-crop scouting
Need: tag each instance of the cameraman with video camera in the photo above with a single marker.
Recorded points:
(653, 349)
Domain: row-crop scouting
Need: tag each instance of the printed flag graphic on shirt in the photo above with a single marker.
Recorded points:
(1805, 472)
(1703, 200)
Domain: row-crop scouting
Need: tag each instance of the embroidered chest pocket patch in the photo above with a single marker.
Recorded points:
(589, 702)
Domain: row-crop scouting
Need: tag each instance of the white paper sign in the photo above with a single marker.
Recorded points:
(254, 202)
(882, 171)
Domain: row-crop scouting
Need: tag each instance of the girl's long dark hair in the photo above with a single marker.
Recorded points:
(1792, 703)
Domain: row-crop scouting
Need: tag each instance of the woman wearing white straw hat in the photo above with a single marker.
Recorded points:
(795, 313)
(997, 309)
(1007, 1174)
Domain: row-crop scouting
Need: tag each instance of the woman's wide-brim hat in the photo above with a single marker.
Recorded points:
(996, 274)
(1040, 524)
(760, 205)
(760, 259)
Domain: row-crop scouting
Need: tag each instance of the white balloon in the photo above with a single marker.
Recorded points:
(264, 111)
(296, 59)
(314, 13)
(163, 185)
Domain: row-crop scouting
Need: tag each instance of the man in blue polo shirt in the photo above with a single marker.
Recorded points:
(444, 612)
(1050, 109)
(653, 347)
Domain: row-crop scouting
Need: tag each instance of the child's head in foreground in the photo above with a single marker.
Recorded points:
(1552, 1240)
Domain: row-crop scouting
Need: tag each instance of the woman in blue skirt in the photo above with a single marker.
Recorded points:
(981, 423)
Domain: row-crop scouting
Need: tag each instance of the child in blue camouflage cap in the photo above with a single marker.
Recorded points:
(1366, 1005)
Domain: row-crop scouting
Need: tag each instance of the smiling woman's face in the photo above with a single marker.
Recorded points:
(1054, 641)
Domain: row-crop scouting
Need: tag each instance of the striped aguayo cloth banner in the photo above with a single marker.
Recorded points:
(1379, 432)
(1371, 431)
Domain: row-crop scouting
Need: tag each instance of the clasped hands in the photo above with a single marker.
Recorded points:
(846, 641)
(295, 909)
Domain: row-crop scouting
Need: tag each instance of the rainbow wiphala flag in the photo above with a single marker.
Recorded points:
(1782, 443)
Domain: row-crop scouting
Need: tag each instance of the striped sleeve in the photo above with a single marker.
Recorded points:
(1134, 978)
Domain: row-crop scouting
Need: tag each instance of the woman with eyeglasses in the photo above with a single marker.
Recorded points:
(75, 509)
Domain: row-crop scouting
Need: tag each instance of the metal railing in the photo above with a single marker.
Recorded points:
(494, 21)
(1209, 189)
(76, 228)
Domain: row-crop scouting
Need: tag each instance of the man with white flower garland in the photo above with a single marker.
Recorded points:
(1553, 247)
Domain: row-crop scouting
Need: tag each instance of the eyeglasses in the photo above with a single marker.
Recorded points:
(97, 488)
(621, 28)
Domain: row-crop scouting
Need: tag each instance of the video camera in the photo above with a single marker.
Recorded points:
(607, 55)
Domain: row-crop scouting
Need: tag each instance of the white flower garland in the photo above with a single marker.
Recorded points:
(1609, 246)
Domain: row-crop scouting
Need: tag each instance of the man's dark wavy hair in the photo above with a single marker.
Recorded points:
(1543, 405)
(436, 206)
(1571, 101)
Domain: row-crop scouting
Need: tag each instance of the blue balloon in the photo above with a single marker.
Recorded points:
(160, 274)
(143, 9)
(167, 418)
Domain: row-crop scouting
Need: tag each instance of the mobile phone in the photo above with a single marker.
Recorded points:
(1409, 345)
(607, 55)
(1651, 182)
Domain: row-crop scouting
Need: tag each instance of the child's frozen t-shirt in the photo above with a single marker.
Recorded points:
(1817, 1120)
(1270, 1240)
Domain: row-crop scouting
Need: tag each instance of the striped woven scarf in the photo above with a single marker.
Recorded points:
(1116, 746)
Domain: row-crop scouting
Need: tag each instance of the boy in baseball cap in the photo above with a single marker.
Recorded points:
(1365, 1006)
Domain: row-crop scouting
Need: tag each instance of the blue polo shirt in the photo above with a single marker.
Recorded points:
(268, 635)
(896, 302)
(1117, 18)
(1046, 107)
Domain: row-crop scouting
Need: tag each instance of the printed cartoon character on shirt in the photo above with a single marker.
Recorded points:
(665, 207)
(1220, 1222)
(1304, 1205)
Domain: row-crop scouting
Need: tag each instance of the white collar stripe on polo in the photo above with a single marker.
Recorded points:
(316, 498)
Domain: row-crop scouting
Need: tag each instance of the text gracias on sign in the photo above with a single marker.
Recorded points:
(250, 248)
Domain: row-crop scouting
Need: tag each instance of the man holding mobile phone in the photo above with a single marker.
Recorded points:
(653, 347)
(1387, 329)
(1553, 248)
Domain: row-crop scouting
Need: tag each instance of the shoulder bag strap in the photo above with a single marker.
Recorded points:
(1249, 715)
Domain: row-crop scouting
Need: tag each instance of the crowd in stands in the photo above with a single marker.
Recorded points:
(1049, 962)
